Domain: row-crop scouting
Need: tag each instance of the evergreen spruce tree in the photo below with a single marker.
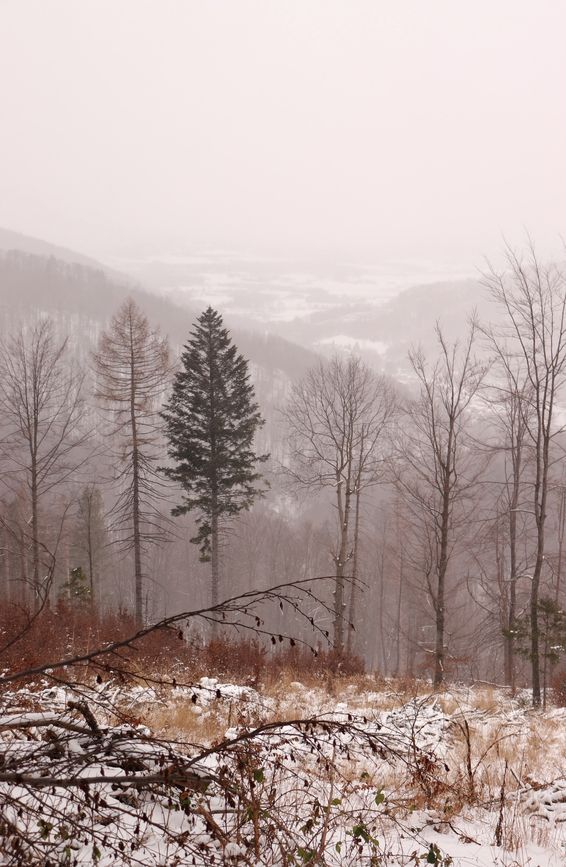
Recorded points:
(211, 419)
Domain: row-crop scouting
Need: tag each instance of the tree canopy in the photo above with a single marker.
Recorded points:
(211, 419)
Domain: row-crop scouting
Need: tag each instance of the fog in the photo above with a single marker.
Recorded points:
(282, 432)
(364, 130)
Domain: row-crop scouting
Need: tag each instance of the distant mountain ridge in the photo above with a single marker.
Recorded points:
(80, 289)
(10, 240)
(81, 299)
(39, 275)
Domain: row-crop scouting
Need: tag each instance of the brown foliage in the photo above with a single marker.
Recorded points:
(66, 631)
(558, 683)
(251, 662)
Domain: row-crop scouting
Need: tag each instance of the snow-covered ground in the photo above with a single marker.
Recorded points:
(347, 772)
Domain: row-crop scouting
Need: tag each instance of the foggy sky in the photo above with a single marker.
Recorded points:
(349, 127)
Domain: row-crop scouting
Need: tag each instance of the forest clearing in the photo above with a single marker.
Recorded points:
(305, 767)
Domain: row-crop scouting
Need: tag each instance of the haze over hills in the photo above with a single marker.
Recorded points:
(35, 274)
(81, 296)
(10, 240)
(326, 306)
(281, 312)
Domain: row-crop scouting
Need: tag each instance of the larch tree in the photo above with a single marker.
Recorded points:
(42, 422)
(132, 368)
(531, 344)
(211, 420)
(338, 417)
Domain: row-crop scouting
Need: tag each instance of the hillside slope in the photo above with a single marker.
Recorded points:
(81, 299)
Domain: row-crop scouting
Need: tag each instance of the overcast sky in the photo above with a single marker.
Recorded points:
(409, 128)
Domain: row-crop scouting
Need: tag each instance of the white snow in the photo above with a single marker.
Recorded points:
(372, 775)
(344, 341)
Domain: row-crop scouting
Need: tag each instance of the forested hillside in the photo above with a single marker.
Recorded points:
(282, 433)
(406, 527)
(425, 588)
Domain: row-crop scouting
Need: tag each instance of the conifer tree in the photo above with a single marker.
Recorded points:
(211, 419)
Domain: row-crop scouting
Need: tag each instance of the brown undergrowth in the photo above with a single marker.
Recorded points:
(491, 751)
(63, 632)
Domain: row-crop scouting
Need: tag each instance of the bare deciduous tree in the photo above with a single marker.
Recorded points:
(89, 535)
(533, 341)
(337, 418)
(42, 409)
(510, 403)
(435, 470)
(132, 366)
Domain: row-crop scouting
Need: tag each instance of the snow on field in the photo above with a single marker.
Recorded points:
(344, 341)
(217, 773)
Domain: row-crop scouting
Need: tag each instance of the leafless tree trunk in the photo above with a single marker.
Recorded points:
(355, 552)
(214, 559)
(89, 535)
(400, 589)
(380, 574)
(561, 534)
(517, 412)
(434, 472)
(132, 366)
(510, 404)
(337, 417)
(42, 408)
(533, 297)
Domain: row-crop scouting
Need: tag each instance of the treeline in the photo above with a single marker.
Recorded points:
(437, 507)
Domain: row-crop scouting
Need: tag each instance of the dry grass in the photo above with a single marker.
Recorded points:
(184, 721)
(483, 745)
(519, 750)
(487, 698)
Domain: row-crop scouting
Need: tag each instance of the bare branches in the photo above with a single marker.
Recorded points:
(531, 348)
(435, 469)
(42, 406)
(239, 612)
(338, 418)
(121, 789)
(334, 408)
(132, 365)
